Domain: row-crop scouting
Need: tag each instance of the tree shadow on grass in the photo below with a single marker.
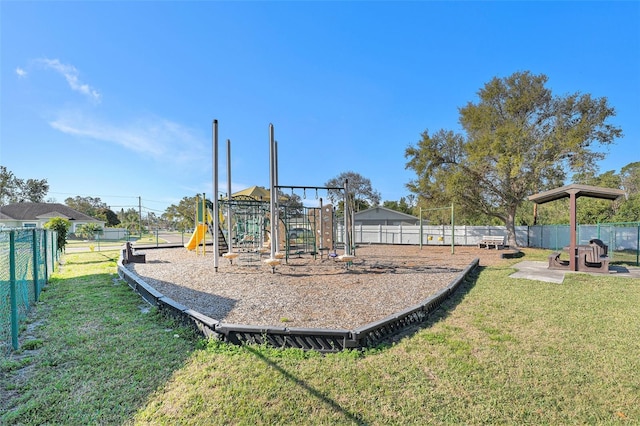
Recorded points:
(323, 398)
(210, 304)
(100, 257)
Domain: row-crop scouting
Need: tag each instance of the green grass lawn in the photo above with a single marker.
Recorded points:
(503, 350)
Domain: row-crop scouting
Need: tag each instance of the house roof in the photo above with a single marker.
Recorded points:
(579, 191)
(36, 211)
(379, 212)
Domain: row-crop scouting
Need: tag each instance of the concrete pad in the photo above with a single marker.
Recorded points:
(539, 271)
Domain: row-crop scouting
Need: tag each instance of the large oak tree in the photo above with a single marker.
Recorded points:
(519, 139)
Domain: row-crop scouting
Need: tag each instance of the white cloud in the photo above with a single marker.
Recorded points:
(70, 73)
(21, 73)
(159, 138)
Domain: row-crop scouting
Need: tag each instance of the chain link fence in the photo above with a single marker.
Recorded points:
(27, 257)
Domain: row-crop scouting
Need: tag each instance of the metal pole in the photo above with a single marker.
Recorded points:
(272, 189)
(216, 219)
(421, 228)
(229, 226)
(321, 228)
(140, 216)
(453, 231)
(353, 232)
(638, 246)
(275, 194)
(347, 242)
(46, 257)
(12, 290)
(36, 264)
(203, 209)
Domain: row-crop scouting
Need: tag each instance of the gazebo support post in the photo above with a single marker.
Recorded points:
(573, 243)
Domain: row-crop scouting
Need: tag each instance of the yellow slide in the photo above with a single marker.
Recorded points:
(196, 238)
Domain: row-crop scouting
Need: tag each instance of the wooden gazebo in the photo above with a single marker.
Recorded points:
(574, 191)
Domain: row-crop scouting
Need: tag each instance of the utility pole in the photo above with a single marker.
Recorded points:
(140, 216)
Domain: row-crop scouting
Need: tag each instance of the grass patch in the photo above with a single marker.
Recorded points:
(99, 356)
(504, 350)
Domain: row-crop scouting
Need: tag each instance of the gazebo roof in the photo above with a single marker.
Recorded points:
(579, 191)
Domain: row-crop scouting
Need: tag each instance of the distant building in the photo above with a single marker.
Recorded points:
(35, 215)
(384, 216)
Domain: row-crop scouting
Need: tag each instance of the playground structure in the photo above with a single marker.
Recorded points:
(244, 226)
(302, 230)
(204, 224)
(244, 220)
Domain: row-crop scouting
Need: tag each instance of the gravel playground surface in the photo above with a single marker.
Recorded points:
(307, 292)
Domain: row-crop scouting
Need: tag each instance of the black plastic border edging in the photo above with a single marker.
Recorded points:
(374, 332)
(319, 339)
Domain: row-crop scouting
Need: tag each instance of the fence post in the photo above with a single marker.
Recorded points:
(36, 264)
(638, 246)
(453, 231)
(12, 290)
(46, 256)
(420, 228)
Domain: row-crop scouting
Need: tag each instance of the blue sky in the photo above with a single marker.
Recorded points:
(116, 99)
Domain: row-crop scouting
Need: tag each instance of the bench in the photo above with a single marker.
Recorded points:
(129, 255)
(590, 258)
(596, 259)
(556, 263)
(495, 241)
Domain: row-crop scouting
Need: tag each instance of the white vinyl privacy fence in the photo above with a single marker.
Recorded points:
(619, 237)
(431, 235)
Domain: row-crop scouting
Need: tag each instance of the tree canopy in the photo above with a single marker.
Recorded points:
(94, 207)
(15, 190)
(361, 194)
(182, 216)
(519, 139)
(402, 206)
(89, 231)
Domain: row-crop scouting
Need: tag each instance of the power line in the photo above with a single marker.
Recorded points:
(92, 196)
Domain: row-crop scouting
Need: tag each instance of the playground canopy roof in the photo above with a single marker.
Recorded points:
(256, 192)
(579, 191)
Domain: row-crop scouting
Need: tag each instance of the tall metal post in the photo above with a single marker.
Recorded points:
(214, 198)
(320, 246)
(272, 190)
(229, 225)
(347, 241)
(274, 194)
